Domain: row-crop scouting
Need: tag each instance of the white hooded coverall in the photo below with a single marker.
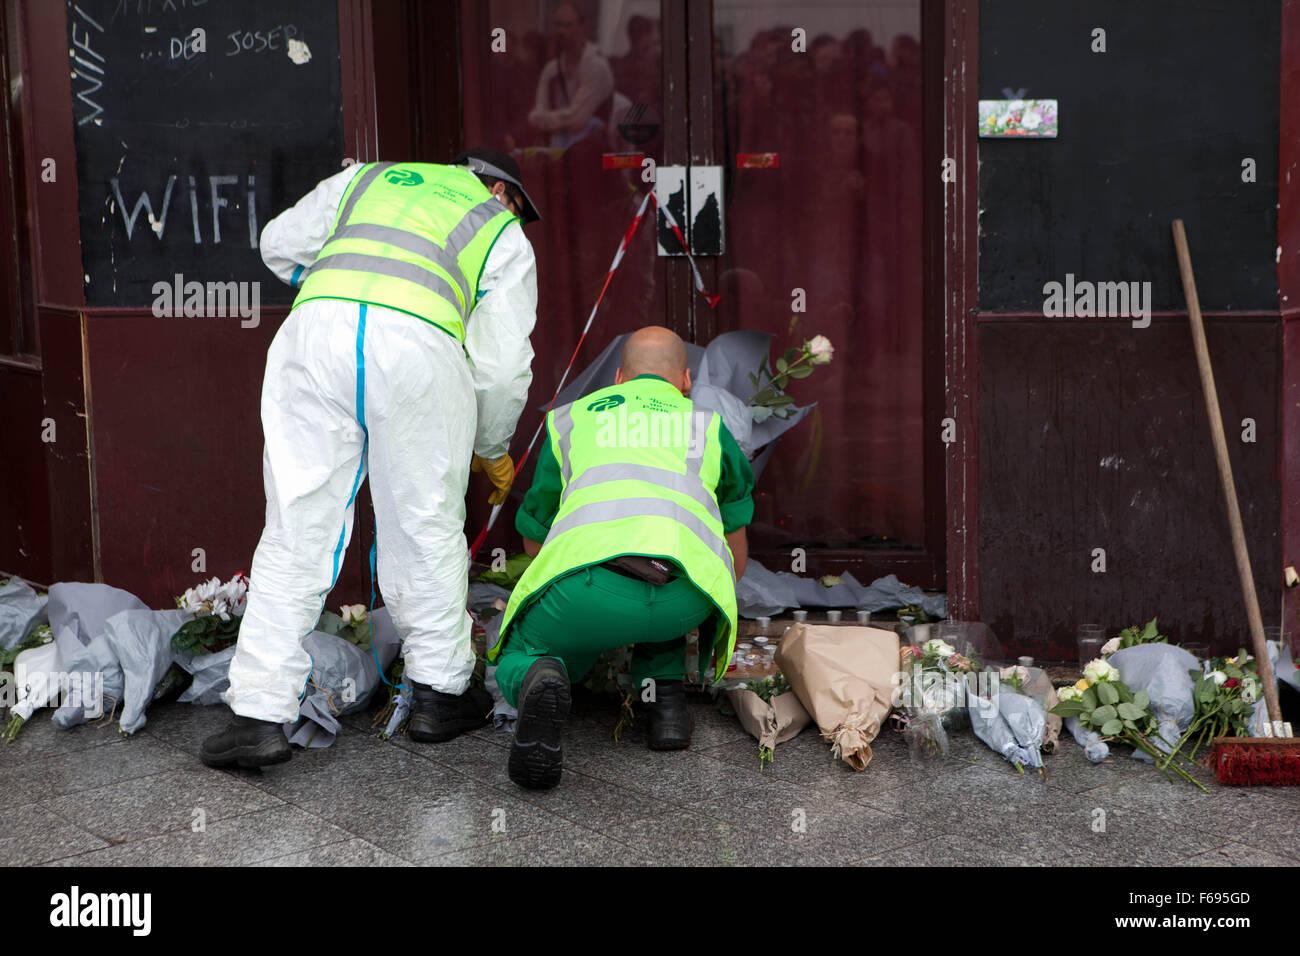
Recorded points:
(353, 388)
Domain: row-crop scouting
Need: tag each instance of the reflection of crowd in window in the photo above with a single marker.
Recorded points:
(840, 217)
(845, 118)
(841, 220)
(561, 90)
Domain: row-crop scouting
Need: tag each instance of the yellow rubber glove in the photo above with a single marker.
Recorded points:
(501, 471)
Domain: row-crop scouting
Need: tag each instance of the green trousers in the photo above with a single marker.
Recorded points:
(589, 611)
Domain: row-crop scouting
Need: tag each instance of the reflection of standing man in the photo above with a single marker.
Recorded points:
(574, 91)
(638, 73)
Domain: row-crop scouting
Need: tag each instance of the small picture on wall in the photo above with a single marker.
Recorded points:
(1018, 118)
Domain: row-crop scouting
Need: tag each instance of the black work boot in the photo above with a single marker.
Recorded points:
(248, 742)
(437, 717)
(669, 719)
(536, 758)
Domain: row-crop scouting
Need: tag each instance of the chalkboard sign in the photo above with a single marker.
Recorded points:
(1161, 105)
(196, 121)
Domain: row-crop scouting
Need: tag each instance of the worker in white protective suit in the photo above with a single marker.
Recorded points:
(406, 356)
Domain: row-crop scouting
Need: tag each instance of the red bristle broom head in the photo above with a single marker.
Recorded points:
(1256, 761)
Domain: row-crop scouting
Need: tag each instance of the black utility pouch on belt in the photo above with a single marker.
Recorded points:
(652, 570)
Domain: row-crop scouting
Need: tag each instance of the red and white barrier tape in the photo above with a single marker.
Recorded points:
(709, 297)
(618, 258)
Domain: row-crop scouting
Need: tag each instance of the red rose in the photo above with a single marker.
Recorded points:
(1231, 682)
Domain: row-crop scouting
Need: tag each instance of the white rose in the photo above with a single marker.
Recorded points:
(1099, 670)
(354, 614)
(1067, 693)
(1110, 647)
(942, 648)
(820, 350)
(1218, 677)
(1031, 120)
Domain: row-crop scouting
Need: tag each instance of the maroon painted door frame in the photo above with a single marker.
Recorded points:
(1288, 281)
(960, 237)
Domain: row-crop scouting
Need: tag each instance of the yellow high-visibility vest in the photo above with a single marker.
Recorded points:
(413, 237)
(639, 469)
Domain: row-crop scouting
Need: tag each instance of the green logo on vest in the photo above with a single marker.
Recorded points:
(403, 177)
(606, 403)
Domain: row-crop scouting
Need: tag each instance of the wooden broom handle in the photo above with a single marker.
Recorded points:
(1265, 669)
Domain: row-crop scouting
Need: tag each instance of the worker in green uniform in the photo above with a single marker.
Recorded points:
(641, 502)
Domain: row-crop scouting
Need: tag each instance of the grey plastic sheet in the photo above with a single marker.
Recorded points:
(1094, 748)
(502, 712)
(21, 612)
(211, 678)
(79, 614)
(343, 678)
(1011, 724)
(482, 594)
(762, 593)
(1162, 671)
(142, 643)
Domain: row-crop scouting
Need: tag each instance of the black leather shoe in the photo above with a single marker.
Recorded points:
(536, 758)
(437, 717)
(248, 742)
(668, 718)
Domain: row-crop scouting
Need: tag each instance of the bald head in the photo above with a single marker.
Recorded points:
(655, 350)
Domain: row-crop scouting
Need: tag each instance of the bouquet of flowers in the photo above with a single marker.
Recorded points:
(933, 695)
(1013, 723)
(218, 610)
(1034, 682)
(1226, 693)
(35, 663)
(843, 677)
(1132, 636)
(1105, 704)
(770, 710)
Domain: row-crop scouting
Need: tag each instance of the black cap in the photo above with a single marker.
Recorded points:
(501, 166)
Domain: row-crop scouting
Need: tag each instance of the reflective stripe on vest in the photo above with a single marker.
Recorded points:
(379, 265)
(688, 485)
(700, 419)
(358, 187)
(445, 275)
(599, 511)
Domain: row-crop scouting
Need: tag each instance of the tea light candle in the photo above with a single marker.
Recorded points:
(833, 616)
(801, 615)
